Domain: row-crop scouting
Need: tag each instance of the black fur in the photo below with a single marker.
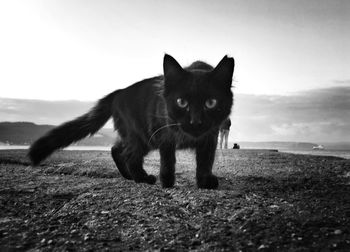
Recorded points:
(152, 114)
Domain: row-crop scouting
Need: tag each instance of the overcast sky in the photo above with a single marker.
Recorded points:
(82, 49)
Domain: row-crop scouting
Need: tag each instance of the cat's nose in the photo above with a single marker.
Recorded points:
(195, 118)
(195, 121)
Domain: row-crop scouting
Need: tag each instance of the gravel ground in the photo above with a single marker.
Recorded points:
(76, 200)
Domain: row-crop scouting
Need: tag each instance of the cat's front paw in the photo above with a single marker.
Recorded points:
(149, 179)
(207, 182)
(167, 181)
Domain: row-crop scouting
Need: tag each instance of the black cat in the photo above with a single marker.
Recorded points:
(182, 109)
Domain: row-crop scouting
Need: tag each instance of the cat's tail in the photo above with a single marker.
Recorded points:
(72, 131)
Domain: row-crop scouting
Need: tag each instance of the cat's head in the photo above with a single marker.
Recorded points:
(199, 97)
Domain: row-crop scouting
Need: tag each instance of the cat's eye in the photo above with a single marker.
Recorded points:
(211, 103)
(182, 103)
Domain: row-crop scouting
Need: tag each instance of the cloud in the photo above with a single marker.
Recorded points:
(342, 82)
(41, 112)
(314, 115)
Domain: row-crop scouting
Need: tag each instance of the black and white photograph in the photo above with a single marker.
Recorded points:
(172, 125)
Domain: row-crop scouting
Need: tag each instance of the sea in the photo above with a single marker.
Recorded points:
(335, 153)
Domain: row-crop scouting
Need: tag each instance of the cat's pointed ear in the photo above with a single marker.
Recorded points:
(171, 68)
(223, 72)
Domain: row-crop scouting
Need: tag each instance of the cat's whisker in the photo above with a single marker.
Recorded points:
(163, 127)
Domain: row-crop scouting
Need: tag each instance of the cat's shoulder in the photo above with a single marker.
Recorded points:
(145, 84)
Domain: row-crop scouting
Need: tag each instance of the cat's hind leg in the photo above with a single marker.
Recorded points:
(117, 155)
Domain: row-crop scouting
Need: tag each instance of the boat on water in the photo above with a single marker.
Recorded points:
(318, 147)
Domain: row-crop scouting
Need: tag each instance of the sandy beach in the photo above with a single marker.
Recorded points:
(76, 200)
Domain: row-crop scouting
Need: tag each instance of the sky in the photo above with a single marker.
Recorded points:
(58, 51)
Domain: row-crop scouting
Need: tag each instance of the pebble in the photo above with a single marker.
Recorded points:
(262, 246)
(197, 226)
(87, 237)
(337, 232)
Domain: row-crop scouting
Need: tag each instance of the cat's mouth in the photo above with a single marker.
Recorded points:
(194, 132)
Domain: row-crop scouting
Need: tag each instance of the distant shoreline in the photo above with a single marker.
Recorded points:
(335, 153)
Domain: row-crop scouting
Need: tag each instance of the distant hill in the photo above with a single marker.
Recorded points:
(25, 133)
